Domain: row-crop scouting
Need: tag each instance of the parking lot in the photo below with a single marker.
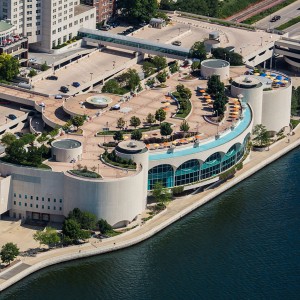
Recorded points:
(82, 71)
(6, 109)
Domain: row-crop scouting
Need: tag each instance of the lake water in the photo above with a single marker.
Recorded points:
(242, 245)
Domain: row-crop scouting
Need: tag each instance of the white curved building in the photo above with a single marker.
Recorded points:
(211, 67)
(269, 97)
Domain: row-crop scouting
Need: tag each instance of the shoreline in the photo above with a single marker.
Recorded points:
(174, 212)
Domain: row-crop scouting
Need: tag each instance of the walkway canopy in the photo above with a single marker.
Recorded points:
(133, 44)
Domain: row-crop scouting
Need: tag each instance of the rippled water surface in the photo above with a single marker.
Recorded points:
(242, 245)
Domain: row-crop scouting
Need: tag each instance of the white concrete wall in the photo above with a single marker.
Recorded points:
(207, 71)
(5, 203)
(253, 96)
(276, 108)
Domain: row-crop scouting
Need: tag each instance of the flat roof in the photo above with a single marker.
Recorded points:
(79, 9)
(66, 144)
(215, 63)
(4, 26)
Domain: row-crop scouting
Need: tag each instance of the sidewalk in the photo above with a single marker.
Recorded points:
(175, 210)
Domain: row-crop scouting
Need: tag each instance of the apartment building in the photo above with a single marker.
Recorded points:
(47, 23)
(105, 9)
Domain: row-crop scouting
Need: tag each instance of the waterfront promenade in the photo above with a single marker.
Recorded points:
(176, 209)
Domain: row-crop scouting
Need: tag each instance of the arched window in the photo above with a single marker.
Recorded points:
(188, 172)
(211, 166)
(229, 158)
(161, 173)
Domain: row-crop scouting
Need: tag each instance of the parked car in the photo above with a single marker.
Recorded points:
(25, 85)
(115, 107)
(12, 117)
(176, 43)
(52, 77)
(58, 96)
(64, 89)
(105, 27)
(76, 84)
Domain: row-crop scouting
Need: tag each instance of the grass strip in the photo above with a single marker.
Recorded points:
(268, 12)
(289, 23)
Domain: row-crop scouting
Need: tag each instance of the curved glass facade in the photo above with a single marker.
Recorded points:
(193, 171)
(161, 173)
(211, 166)
(188, 172)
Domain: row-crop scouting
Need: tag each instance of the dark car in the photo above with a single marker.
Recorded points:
(275, 18)
(12, 117)
(76, 84)
(52, 77)
(64, 89)
(176, 43)
(105, 27)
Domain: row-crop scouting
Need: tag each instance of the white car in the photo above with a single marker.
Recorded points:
(58, 96)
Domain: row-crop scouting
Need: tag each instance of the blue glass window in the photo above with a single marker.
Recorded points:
(188, 172)
(161, 173)
(211, 166)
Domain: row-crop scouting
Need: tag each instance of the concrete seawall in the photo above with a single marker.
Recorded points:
(142, 233)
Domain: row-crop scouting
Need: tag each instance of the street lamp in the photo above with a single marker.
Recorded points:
(261, 40)
(91, 76)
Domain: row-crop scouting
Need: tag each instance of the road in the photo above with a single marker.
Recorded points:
(287, 13)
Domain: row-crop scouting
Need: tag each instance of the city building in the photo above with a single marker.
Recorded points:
(12, 43)
(105, 9)
(47, 23)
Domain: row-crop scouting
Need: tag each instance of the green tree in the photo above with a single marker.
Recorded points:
(49, 237)
(118, 136)
(195, 65)
(136, 134)
(148, 68)
(9, 67)
(214, 85)
(161, 194)
(198, 51)
(133, 80)
(44, 67)
(120, 123)
(32, 73)
(15, 152)
(174, 67)
(159, 62)
(262, 136)
(85, 219)
(135, 121)
(77, 121)
(184, 126)
(71, 229)
(9, 252)
(233, 58)
(166, 129)
(104, 227)
(150, 119)
(183, 91)
(111, 86)
(138, 10)
(162, 76)
(160, 115)
(8, 138)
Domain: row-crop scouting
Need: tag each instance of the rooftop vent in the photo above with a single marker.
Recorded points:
(131, 145)
(247, 80)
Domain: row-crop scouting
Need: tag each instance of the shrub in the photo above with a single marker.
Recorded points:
(239, 166)
(177, 190)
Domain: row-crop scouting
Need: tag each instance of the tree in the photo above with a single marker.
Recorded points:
(118, 136)
(77, 121)
(71, 229)
(104, 227)
(9, 252)
(160, 115)
(138, 10)
(136, 134)
(161, 194)
(148, 68)
(133, 80)
(183, 91)
(184, 126)
(162, 76)
(159, 62)
(198, 51)
(166, 129)
(235, 59)
(195, 65)
(44, 67)
(32, 73)
(135, 121)
(150, 119)
(262, 136)
(49, 237)
(85, 219)
(8, 138)
(214, 85)
(15, 152)
(174, 67)
(9, 67)
(120, 123)
(111, 86)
